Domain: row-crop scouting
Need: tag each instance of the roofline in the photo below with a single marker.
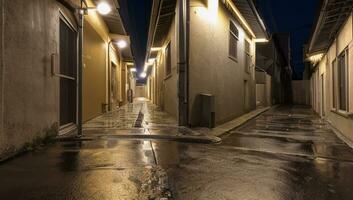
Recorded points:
(156, 7)
(259, 18)
(319, 18)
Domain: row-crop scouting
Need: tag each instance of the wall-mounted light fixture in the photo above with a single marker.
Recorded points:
(103, 8)
(121, 44)
(316, 58)
(261, 40)
(133, 70)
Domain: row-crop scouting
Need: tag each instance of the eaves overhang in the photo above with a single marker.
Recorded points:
(252, 20)
(116, 28)
(331, 17)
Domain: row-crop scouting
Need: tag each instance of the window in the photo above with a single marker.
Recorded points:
(333, 70)
(168, 60)
(233, 41)
(247, 56)
(342, 80)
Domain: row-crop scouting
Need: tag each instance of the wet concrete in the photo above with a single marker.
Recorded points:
(286, 153)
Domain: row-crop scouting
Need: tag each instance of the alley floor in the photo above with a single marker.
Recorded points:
(285, 153)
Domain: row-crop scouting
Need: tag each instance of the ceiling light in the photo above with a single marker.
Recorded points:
(122, 44)
(103, 8)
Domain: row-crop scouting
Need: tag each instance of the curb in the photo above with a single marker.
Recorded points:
(189, 139)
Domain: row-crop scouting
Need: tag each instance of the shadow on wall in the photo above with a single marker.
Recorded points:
(203, 111)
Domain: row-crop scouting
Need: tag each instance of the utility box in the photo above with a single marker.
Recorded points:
(130, 96)
(207, 111)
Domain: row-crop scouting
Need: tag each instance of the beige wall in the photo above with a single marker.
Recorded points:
(166, 87)
(338, 119)
(94, 73)
(212, 71)
(97, 68)
(29, 93)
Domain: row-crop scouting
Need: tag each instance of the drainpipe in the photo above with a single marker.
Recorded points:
(109, 78)
(183, 85)
(80, 67)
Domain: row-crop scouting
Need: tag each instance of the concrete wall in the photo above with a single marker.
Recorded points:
(29, 94)
(212, 71)
(343, 121)
(264, 91)
(301, 92)
(140, 91)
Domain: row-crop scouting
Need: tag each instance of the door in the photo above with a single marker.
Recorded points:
(113, 87)
(246, 96)
(322, 95)
(67, 76)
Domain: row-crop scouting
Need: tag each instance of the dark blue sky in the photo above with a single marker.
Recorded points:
(290, 16)
(136, 15)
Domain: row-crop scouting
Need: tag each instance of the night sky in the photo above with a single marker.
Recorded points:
(289, 16)
(136, 20)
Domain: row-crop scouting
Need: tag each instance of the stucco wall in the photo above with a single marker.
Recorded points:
(29, 92)
(97, 67)
(167, 85)
(337, 118)
(94, 73)
(211, 70)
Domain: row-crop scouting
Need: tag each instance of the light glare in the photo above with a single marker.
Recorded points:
(122, 44)
(143, 75)
(103, 8)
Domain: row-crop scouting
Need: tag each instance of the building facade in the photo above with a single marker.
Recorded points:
(274, 58)
(211, 55)
(40, 71)
(331, 52)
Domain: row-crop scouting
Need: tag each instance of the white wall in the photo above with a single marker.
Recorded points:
(341, 120)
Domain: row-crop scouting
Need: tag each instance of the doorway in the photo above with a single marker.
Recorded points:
(68, 77)
(113, 87)
(322, 95)
(246, 96)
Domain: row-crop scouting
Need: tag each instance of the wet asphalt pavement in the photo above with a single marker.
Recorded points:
(286, 153)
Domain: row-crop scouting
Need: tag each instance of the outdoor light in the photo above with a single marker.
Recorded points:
(121, 44)
(316, 58)
(156, 48)
(261, 40)
(133, 70)
(103, 8)
(143, 75)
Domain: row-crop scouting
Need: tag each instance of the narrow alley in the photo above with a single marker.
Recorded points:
(176, 100)
(285, 153)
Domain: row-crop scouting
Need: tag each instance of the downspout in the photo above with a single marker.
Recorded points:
(183, 62)
(80, 67)
(2, 65)
(109, 78)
